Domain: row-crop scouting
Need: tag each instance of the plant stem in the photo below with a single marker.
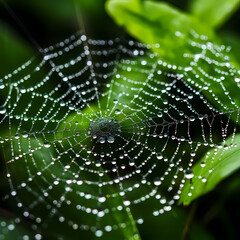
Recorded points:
(133, 225)
(186, 230)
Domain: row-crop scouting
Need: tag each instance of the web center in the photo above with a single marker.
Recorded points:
(105, 129)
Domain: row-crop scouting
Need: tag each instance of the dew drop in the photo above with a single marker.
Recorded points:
(189, 174)
(165, 101)
(23, 89)
(62, 104)
(159, 156)
(131, 162)
(47, 144)
(108, 228)
(3, 110)
(24, 134)
(157, 182)
(110, 139)
(126, 202)
(204, 180)
(219, 145)
(101, 198)
(98, 233)
(102, 140)
(191, 118)
(71, 107)
(117, 111)
(237, 80)
(17, 136)
(2, 86)
(193, 153)
(167, 208)
(203, 164)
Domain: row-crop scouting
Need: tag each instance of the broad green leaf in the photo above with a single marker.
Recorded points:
(215, 166)
(170, 32)
(157, 23)
(233, 40)
(214, 13)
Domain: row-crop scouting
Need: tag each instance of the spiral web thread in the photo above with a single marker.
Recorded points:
(99, 128)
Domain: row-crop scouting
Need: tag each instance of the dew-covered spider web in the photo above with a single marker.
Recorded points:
(94, 131)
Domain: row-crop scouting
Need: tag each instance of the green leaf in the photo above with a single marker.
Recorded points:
(160, 24)
(232, 39)
(212, 12)
(215, 166)
(157, 23)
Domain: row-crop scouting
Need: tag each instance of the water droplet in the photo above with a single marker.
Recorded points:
(193, 153)
(108, 228)
(126, 202)
(98, 233)
(62, 104)
(17, 136)
(2, 86)
(71, 107)
(160, 114)
(24, 134)
(74, 88)
(204, 180)
(23, 89)
(115, 100)
(159, 156)
(189, 174)
(203, 164)
(2, 110)
(237, 80)
(167, 208)
(110, 139)
(102, 140)
(47, 144)
(98, 163)
(101, 198)
(131, 162)
(182, 138)
(117, 111)
(165, 101)
(157, 182)
(38, 236)
(219, 145)
(191, 118)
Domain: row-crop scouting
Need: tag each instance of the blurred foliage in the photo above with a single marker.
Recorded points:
(213, 12)
(156, 23)
(51, 21)
(224, 160)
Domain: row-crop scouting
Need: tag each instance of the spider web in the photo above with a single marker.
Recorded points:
(99, 130)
